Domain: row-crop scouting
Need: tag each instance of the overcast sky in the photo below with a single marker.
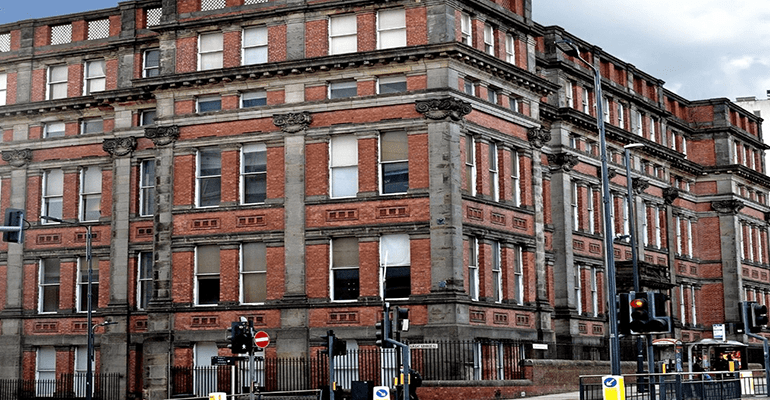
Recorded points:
(700, 48)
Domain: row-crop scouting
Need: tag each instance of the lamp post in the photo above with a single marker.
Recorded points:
(573, 50)
(89, 306)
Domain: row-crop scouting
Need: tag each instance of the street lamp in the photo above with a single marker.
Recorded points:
(568, 47)
(89, 306)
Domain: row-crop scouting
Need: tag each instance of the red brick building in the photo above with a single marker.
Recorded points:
(277, 159)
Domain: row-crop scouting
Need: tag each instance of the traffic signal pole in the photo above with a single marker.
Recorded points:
(748, 311)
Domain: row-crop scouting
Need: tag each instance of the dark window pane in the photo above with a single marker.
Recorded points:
(345, 284)
(395, 177)
(393, 87)
(397, 282)
(208, 290)
(209, 191)
(255, 190)
(209, 105)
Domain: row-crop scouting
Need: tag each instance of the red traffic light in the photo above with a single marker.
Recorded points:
(638, 303)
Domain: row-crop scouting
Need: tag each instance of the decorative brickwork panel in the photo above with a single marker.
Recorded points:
(500, 319)
(755, 274)
(342, 215)
(144, 231)
(257, 319)
(43, 327)
(520, 223)
(764, 276)
(204, 321)
(140, 324)
(745, 272)
(522, 320)
(578, 245)
(648, 258)
(582, 328)
(208, 223)
(393, 212)
(252, 220)
(594, 248)
(80, 326)
(53, 238)
(478, 316)
(346, 317)
(597, 329)
(81, 237)
(497, 219)
(662, 261)
(628, 255)
(682, 268)
(475, 213)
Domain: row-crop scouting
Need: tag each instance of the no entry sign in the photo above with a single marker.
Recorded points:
(261, 339)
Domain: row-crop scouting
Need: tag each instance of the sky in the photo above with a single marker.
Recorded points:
(701, 48)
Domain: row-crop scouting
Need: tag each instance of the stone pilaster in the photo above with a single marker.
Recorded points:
(732, 277)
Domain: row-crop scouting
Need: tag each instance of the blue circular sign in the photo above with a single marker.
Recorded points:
(382, 393)
(610, 382)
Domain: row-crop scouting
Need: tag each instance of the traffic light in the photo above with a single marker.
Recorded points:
(239, 335)
(339, 347)
(326, 344)
(649, 313)
(755, 316)
(383, 332)
(400, 319)
(624, 314)
(14, 218)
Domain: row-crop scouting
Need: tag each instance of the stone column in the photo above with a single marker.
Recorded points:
(538, 137)
(732, 279)
(158, 345)
(12, 327)
(294, 320)
(446, 240)
(113, 348)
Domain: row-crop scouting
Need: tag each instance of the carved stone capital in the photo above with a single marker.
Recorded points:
(538, 137)
(670, 194)
(293, 122)
(17, 158)
(162, 135)
(611, 172)
(562, 161)
(119, 147)
(443, 108)
(639, 185)
(727, 206)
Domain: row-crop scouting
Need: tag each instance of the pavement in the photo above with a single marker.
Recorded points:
(558, 396)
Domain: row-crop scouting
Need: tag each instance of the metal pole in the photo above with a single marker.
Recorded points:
(330, 341)
(89, 312)
(608, 232)
(634, 254)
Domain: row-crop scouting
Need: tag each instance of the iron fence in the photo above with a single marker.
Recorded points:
(64, 386)
(438, 360)
(703, 386)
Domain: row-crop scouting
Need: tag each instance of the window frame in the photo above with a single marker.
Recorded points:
(496, 267)
(261, 269)
(344, 161)
(144, 289)
(47, 197)
(143, 116)
(473, 268)
(489, 39)
(470, 163)
(333, 269)
(257, 47)
(203, 54)
(89, 197)
(200, 178)
(404, 263)
(387, 31)
(81, 293)
(91, 79)
(147, 188)
(86, 123)
(204, 100)
(384, 164)
(255, 93)
(466, 29)
(510, 48)
(383, 81)
(52, 85)
(3, 88)
(494, 172)
(43, 284)
(246, 175)
(47, 131)
(149, 71)
(341, 89)
(518, 275)
(340, 37)
(207, 275)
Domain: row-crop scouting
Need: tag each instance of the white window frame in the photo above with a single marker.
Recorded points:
(489, 39)
(342, 87)
(86, 125)
(518, 275)
(339, 36)
(43, 284)
(653, 129)
(515, 178)
(682, 305)
(470, 163)
(259, 45)
(678, 234)
(94, 78)
(144, 267)
(3, 89)
(200, 178)
(343, 166)
(45, 371)
(148, 70)
(204, 377)
(688, 225)
(693, 307)
(400, 258)
(586, 101)
(81, 294)
(591, 210)
(579, 289)
(260, 95)
(621, 115)
(574, 195)
(205, 275)
(497, 271)
(80, 369)
(494, 173)
(568, 89)
(259, 268)
(385, 163)
(473, 268)
(639, 128)
(466, 29)
(90, 192)
(213, 57)
(594, 292)
(391, 34)
(208, 99)
(253, 172)
(606, 109)
(334, 268)
(47, 129)
(510, 48)
(146, 188)
(52, 189)
(386, 81)
(147, 117)
(54, 86)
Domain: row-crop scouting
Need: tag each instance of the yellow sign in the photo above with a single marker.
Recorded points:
(614, 387)
(218, 396)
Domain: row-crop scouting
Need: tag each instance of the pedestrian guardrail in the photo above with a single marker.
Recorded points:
(677, 386)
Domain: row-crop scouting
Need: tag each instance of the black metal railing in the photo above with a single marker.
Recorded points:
(438, 360)
(64, 386)
(703, 386)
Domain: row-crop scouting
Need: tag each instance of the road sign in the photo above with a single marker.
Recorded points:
(719, 331)
(381, 393)
(614, 387)
(431, 346)
(224, 360)
(261, 339)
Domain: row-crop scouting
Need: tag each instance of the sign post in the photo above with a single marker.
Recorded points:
(614, 387)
